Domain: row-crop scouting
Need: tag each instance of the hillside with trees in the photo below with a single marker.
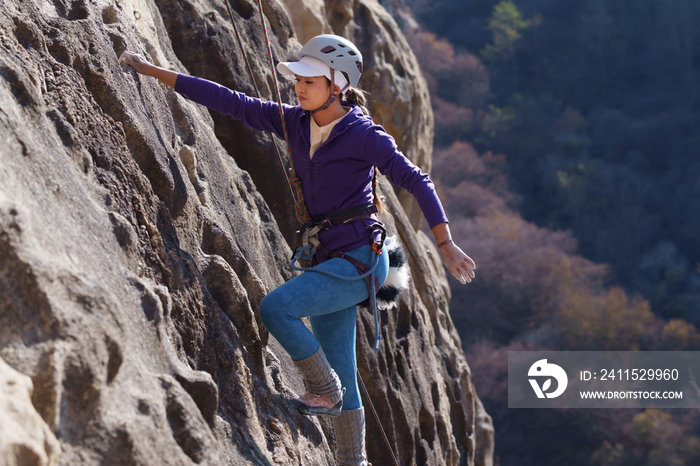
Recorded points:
(566, 150)
(597, 107)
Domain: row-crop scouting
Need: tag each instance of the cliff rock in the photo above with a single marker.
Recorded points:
(139, 232)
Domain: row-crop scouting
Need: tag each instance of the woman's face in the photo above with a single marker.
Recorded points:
(312, 92)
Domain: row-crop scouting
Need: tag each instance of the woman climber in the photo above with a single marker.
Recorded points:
(335, 147)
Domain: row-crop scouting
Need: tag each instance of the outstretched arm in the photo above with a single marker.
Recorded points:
(252, 112)
(142, 66)
(460, 265)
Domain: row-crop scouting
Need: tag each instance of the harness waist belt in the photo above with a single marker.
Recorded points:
(328, 221)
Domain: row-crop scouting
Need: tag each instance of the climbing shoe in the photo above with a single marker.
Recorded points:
(317, 405)
(324, 392)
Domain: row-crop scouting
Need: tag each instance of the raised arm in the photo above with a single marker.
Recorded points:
(252, 112)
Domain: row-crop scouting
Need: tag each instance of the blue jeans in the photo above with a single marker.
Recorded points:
(331, 304)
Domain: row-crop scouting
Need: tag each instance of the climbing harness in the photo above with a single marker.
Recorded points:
(318, 223)
(310, 244)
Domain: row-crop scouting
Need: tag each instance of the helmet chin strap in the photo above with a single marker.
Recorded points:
(333, 96)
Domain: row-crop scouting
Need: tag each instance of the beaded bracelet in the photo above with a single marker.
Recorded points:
(444, 242)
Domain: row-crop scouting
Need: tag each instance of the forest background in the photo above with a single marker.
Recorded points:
(567, 143)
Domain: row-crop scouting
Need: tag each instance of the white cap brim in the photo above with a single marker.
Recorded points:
(311, 67)
(299, 69)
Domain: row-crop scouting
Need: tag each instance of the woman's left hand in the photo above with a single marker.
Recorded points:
(460, 265)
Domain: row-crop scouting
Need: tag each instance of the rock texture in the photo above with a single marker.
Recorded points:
(139, 232)
(25, 439)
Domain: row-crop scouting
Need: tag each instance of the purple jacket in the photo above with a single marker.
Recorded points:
(340, 174)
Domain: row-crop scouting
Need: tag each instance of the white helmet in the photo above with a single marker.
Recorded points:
(336, 52)
(322, 56)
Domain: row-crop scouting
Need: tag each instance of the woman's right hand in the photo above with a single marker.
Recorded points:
(136, 61)
(141, 65)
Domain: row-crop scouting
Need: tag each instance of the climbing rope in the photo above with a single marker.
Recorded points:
(293, 182)
(376, 418)
(245, 55)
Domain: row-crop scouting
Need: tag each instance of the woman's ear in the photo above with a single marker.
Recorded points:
(336, 89)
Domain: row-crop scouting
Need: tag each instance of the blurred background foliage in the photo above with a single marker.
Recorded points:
(567, 152)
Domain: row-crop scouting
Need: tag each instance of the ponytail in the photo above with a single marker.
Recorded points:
(355, 96)
(358, 97)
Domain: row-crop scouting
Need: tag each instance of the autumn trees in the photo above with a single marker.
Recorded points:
(567, 136)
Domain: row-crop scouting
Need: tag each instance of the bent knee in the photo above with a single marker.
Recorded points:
(269, 311)
(274, 311)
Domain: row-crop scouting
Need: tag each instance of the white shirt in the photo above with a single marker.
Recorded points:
(319, 134)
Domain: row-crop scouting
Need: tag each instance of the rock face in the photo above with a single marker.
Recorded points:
(139, 232)
(23, 432)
